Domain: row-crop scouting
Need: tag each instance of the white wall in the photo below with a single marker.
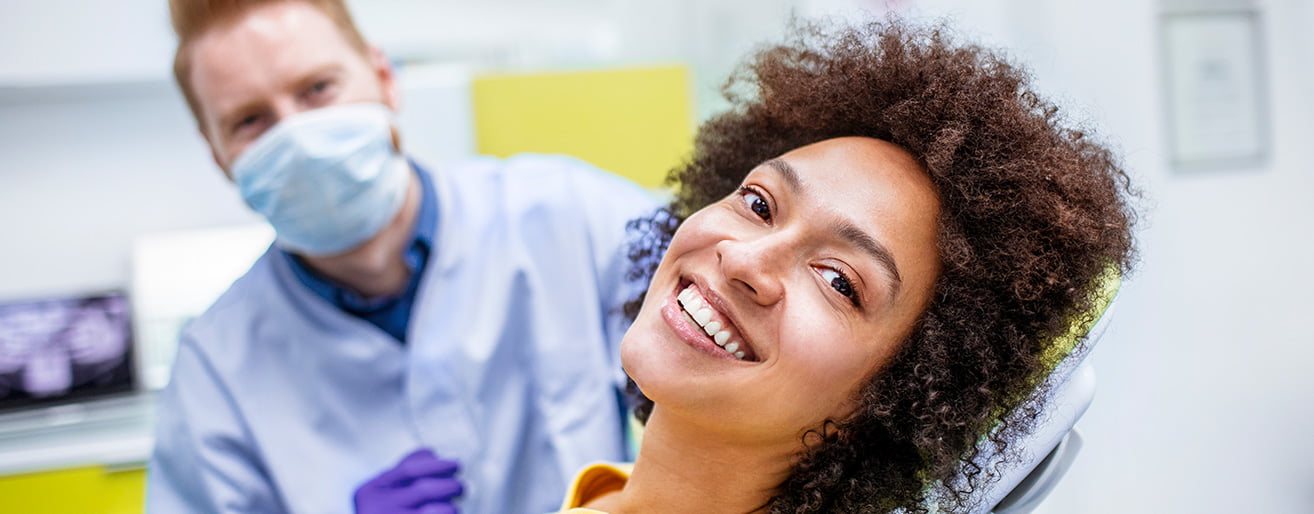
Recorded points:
(46, 41)
(1205, 404)
(80, 178)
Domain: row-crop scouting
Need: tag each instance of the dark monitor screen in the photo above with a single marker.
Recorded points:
(64, 350)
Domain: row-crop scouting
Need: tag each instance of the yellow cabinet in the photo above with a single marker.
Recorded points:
(90, 490)
(636, 122)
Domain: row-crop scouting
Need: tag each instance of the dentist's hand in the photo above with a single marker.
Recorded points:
(420, 484)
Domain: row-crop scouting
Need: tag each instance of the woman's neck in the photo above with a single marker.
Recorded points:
(685, 468)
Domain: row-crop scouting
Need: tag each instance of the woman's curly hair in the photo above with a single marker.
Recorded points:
(1033, 214)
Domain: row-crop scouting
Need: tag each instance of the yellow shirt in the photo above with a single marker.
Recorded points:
(595, 481)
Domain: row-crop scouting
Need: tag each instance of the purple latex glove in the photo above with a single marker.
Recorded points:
(420, 484)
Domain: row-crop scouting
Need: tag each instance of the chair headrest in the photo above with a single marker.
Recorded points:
(1066, 344)
(1066, 399)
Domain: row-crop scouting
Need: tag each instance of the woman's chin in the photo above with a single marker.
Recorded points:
(644, 363)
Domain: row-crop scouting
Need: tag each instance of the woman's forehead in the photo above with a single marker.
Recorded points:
(862, 153)
(858, 171)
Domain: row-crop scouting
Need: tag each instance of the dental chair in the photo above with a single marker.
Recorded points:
(1044, 455)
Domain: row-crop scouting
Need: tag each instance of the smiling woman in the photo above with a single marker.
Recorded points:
(791, 266)
(869, 257)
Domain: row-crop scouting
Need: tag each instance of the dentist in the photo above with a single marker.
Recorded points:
(428, 338)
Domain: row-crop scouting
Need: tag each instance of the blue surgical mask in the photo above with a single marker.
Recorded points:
(328, 179)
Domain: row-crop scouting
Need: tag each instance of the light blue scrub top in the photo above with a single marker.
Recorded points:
(281, 402)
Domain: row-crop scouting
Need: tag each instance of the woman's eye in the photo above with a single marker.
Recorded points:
(840, 284)
(756, 203)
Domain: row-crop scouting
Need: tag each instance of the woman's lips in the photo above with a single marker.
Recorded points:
(702, 326)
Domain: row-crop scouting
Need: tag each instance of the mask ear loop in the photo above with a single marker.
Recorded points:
(396, 138)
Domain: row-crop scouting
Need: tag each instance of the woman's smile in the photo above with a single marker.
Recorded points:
(695, 316)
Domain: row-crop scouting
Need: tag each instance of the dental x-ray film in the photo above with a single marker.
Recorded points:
(62, 350)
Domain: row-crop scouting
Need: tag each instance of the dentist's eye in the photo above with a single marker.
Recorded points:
(756, 203)
(246, 123)
(841, 284)
(319, 92)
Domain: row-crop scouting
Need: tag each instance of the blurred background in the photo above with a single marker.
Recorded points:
(1204, 403)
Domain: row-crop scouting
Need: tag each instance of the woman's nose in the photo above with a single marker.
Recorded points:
(754, 267)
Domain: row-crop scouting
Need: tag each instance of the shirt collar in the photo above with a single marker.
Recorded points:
(426, 223)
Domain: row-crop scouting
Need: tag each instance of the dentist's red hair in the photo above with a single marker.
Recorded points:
(193, 18)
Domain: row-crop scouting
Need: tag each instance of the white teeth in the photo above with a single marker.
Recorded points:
(697, 311)
(712, 328)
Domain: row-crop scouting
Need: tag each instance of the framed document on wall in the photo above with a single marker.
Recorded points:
(1215, 86)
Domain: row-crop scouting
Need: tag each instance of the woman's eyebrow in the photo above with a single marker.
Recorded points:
(786, 172)
(845, 229)
(863, 241)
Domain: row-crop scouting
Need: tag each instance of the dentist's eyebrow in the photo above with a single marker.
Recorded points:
(230, 115)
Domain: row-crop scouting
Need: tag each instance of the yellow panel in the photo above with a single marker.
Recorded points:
(75, 491)
(635, 122)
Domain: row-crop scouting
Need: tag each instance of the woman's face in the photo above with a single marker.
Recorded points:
(807, 279)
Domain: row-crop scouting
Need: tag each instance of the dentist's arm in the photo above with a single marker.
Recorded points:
(203, 461)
